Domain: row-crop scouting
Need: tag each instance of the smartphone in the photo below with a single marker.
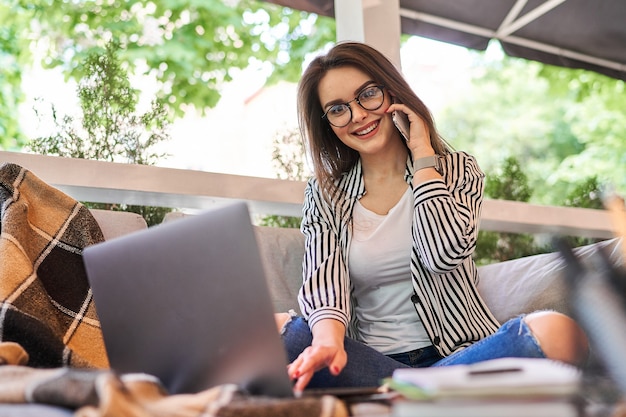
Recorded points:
(401, 120)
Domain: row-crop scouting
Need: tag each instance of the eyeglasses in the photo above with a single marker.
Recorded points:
(370, 98)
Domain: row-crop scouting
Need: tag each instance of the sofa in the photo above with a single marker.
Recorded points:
(509, 288)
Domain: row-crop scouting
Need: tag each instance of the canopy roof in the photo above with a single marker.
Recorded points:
(588, 34)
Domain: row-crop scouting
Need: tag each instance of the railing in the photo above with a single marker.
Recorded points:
(108, 182)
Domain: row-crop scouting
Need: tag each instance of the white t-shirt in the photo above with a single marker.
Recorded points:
(379, 264)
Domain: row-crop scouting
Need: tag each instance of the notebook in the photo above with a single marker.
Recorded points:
(187, 301)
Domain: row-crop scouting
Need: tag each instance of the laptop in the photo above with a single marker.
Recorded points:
(187, 301)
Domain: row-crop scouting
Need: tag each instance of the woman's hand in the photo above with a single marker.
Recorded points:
(326, 350)
(419, 137)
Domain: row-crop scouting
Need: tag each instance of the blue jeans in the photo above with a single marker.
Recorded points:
(366, 367)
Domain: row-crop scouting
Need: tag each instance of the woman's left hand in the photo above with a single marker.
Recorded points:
(419, 138)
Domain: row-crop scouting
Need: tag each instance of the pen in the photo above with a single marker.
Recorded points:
(480, 372)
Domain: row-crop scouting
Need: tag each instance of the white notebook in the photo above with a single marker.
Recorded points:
(504, 377)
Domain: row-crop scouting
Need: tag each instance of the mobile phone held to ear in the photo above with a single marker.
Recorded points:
(401, 120)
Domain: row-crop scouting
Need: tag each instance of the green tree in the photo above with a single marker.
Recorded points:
(290, 162)
(509, 182)
(14, 54)
(110, 129)
(562, 125)
(189, 48)
(585, 194)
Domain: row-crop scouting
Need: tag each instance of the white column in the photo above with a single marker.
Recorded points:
(375, 22)
(350, 21)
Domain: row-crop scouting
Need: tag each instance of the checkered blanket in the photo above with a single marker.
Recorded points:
(48, 320)
(46, 302)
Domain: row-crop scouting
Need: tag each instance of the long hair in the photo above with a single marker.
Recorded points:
(330, 157)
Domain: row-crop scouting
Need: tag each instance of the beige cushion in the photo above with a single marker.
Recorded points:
(535, 282)
(118, 223)
(282, 251)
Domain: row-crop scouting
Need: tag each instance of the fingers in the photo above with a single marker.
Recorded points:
(303, 381)
(419, 136)
(311, 360)
(404, 109)
(301, 371)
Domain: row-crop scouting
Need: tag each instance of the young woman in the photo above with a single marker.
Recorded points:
(390, 226)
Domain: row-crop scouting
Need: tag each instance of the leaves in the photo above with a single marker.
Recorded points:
(110, 129)
(14, 52)
(562, 126)
(189, 47)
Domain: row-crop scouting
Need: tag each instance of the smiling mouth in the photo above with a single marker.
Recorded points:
(367, 129)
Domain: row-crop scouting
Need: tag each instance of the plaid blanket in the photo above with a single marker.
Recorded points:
(46, 303)
(48, 320)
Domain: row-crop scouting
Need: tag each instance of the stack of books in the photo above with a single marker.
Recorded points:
(508, 387)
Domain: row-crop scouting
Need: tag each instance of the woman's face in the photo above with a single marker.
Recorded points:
(367, 131)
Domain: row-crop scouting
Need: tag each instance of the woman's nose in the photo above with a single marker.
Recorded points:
(358, 113)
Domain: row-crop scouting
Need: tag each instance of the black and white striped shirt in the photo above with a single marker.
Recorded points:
(445, 229)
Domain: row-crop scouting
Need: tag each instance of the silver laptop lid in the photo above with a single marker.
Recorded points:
(187, 301)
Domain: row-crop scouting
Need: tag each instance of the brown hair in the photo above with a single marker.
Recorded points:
(331, 158)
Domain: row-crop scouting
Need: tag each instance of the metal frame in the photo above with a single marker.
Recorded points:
(510, 24)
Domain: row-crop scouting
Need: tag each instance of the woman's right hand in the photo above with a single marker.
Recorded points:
(326, 350)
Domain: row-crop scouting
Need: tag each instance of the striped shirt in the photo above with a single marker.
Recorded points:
(444, 233)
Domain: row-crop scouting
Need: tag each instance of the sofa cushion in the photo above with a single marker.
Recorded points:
(535, 282)
(282, 251)
(118, 223)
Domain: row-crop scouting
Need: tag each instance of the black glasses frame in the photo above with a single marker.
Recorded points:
(358, 100)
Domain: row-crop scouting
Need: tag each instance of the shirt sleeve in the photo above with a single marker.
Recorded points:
(445, 227)
(325, 289)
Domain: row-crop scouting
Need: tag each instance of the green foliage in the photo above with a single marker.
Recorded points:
(566, 129)
(289, 159)
(495, 247)
(152, 215)
(280, 221)
(14, 52)
(562, 125)
(189, 47)
(585, 194)
(288, 155)
(110, 130)
(510, 184)
(507, 183)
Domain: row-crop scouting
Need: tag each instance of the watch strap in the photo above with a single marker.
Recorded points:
(427, 162)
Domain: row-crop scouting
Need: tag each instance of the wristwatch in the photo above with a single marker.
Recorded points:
(427, 162)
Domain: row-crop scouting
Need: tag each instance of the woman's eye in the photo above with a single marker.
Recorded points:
(369, 93)
(337, 110)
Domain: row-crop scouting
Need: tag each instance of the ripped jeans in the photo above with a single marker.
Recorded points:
(366, 367)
